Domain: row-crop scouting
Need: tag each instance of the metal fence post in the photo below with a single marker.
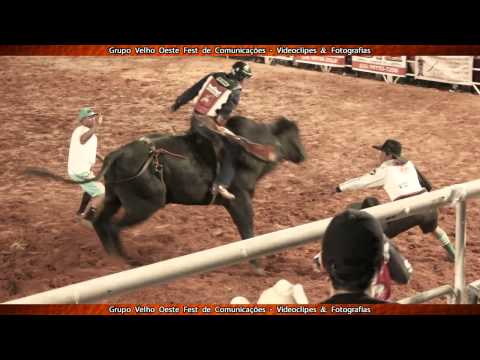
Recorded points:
(460, 241)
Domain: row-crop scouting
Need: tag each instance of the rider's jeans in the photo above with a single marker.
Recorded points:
(224, 152)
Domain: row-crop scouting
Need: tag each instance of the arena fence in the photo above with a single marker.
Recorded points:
(391, 79)
(103, 287)
(445, 290)
(474, 84)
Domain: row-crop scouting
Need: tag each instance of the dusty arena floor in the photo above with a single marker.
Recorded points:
(42, 246)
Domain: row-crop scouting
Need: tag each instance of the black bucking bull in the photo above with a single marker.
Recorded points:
(142, 183)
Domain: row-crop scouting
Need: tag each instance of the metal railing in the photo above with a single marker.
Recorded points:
(445, 290)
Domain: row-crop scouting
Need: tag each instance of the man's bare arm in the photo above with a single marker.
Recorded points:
(85, 137)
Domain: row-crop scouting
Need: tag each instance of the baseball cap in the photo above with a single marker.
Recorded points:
(86, 112)
(352, 248)
(390, 147)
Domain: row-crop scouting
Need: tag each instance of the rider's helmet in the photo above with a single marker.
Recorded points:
(241, 70)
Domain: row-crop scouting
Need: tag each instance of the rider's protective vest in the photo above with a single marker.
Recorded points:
(214, 94)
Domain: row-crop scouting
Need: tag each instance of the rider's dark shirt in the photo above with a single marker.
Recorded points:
(232, 101)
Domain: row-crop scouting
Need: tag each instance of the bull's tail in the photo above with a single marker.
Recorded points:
(40, 172)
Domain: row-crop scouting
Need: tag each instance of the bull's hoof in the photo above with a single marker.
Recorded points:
(259, 270)
(86, 223)
(133, 262)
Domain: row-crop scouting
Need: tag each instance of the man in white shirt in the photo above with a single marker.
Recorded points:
(81, 158)
(400, 179)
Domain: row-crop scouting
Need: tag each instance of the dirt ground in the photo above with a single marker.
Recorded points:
(42, 246)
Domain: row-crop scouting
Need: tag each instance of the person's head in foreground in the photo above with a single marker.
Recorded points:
(352, 254)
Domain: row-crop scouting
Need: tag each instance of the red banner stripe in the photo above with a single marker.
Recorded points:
(236, 50)
(212, 309)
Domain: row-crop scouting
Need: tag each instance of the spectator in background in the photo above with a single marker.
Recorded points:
(352, 255)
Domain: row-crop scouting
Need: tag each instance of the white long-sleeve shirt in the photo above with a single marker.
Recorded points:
(397, 178)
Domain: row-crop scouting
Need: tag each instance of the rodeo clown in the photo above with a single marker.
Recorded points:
(216, 96)
(401, 179)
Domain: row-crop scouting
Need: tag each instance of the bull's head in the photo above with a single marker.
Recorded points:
(287, 133)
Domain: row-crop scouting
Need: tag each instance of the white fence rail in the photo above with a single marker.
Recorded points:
(103, 287)
(445, 290)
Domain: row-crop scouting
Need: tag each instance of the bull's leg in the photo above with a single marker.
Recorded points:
(103, 225)
(241, 212)
(137, 211)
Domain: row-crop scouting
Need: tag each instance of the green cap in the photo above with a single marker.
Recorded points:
(86, 112)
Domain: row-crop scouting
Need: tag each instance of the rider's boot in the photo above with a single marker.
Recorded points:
(225, 175)
(222, 190)
(225, 193)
